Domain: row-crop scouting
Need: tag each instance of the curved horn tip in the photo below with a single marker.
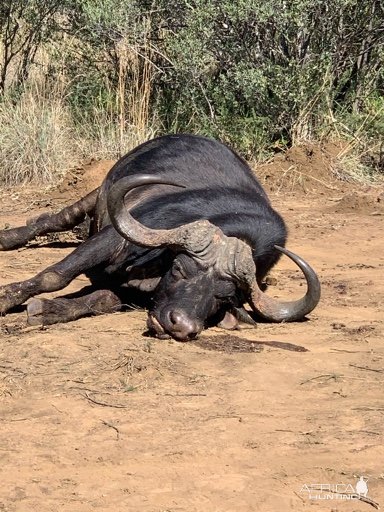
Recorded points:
(314, 287)
(277, 311)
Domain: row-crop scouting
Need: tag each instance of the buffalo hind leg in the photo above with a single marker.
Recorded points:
(60, 310)
(64, 220)
(96, 250)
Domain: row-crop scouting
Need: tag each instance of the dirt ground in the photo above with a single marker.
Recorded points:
(95, 415)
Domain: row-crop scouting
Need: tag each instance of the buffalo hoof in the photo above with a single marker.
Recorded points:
(35, 309)
(48, 312)
(61, 309)
(14, 238)
(9, 297)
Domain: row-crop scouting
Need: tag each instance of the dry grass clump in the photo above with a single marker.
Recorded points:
(37, 139)
(46, 129)
(40, 141)
(37, 143)
(361, 157)
(104, 138)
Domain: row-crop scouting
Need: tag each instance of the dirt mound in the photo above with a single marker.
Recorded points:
(305, 168)
(84, 179)
(364, 204)
(308, 168)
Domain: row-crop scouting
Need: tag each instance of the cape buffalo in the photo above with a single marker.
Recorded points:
(181, 218)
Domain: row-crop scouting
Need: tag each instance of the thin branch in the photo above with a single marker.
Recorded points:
(114, 428)
(103, 404)
(366, 368)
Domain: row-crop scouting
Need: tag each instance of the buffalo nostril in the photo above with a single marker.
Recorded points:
(176, 317)
(181, 326)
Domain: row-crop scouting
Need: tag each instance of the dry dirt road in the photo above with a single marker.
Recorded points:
(96, 416)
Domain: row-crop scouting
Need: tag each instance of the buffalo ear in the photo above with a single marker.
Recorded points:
(229, 322)
(234, 317)
(243, 316)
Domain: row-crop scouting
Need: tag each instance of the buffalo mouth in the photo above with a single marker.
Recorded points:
(176, 325)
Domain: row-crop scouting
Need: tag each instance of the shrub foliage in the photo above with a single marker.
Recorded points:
(260, 75)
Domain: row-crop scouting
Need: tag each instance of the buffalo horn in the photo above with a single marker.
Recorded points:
(280, 311)
(198, 237)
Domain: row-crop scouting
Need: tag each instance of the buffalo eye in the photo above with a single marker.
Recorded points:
(177, 270)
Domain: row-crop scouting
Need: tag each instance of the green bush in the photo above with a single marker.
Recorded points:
(258, 75)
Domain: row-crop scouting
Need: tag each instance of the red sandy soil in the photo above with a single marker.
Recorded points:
(96, 416)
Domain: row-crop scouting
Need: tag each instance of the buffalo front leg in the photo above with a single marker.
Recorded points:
(60, 310)
(64, 220)
(96, 250)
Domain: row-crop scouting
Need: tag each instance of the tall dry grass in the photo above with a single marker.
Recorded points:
(37, 138)
(127, 120)
(41, 137)
(123, 118)
(361, 157)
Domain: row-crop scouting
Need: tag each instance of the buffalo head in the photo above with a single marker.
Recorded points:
(210, 271)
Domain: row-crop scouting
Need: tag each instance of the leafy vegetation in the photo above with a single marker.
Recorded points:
(259, 75)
